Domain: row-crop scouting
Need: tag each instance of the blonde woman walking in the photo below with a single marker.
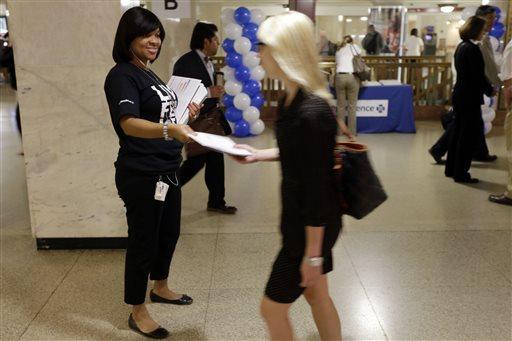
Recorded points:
(306, 135)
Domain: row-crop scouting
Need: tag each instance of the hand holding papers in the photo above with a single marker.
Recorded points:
(187, 90)
(219, 143)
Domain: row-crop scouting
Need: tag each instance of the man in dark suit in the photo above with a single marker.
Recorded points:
(197, 64)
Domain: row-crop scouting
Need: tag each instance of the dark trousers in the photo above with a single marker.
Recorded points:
(153, 230)
(213, 175)
(441, 146)
(464, 141)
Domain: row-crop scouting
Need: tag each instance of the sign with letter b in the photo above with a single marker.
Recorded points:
(171, 8)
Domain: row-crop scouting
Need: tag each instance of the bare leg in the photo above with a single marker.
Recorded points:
(276, 317)
(142, 318)
(324, 312)
(162, 289)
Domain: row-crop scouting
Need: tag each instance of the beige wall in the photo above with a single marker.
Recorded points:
(63, 53)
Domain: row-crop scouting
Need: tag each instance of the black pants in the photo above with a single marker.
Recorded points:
(464, 141)
(153, 230)
(441, 146)
(213, 175)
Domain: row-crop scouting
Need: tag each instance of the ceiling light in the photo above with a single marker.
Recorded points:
(364, 18)
(448, 8)
(485, 2)
(340, 18)
(349, 20)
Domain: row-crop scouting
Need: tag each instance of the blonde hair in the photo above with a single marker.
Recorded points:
(291, 40)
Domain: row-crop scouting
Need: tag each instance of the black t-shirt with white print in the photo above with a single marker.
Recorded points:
(132, 91)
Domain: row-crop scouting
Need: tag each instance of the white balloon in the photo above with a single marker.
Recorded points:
(257, 73)
(495, 43)
(488, 114)
(251, 59)
(251, 114)
(257, 127)
(487, 102)
(468, 12)
(257, 16)
(229, 73)
(227, 16)
(242, 45)
(233, 31)
(233, 87)
(232, 125)
(242, 101)
(487, 127)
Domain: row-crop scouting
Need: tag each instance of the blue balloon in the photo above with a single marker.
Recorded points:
(242, 128)
(497, 30)
(242, 73)
(228, 100)
(251, 87)
(250, 30)
(498, 10)
(242, 15)
(233, 114)
(228, 45)
(257, 100)
(234, 60)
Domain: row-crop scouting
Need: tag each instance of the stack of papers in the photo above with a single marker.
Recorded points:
(371, 83)
(390, 82)
(219, 143)
(188, 90)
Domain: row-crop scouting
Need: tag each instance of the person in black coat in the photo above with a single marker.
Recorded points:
(481, 154)
(197, 64)
(467, 98)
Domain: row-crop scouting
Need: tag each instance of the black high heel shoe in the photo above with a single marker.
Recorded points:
(158, 333)
(184, 300)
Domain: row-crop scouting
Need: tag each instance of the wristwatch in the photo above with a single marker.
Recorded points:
(314, 261)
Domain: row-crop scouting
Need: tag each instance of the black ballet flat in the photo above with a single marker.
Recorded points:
(467, 180)
(158, 333)
(184, 300)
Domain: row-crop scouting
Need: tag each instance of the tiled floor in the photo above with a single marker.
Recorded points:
(434, 262)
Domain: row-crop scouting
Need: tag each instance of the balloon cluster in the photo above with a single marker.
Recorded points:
(488, 114)
(243, 73)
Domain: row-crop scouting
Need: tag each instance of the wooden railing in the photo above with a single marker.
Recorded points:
(430, 77)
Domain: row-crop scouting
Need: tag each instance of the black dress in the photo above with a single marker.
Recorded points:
(306, 136)
(467, 98)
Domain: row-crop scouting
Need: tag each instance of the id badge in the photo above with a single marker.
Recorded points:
(161, 190)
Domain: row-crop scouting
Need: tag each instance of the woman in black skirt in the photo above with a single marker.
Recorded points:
(467, 99)
(306, 135)
(141, 108)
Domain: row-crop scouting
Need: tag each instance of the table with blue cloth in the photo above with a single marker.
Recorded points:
(390, 109)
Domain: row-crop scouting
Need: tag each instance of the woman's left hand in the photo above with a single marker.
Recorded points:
(194, 110)
(309, 274)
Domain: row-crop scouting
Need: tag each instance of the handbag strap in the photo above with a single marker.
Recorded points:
(352, 49)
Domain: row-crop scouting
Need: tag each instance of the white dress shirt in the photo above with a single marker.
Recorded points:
(344, 58)
(506, 66)
(209, 67)
(413, 45)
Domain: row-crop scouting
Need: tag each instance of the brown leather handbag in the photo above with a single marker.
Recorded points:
(212, 122)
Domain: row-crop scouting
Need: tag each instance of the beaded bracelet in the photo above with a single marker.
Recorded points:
(166, 131)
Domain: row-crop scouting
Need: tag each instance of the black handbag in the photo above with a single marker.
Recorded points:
(360, 190)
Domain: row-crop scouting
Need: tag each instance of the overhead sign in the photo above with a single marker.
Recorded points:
(372, 108)
(165, 9)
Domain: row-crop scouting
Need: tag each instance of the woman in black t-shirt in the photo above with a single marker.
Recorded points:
(142, 112)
